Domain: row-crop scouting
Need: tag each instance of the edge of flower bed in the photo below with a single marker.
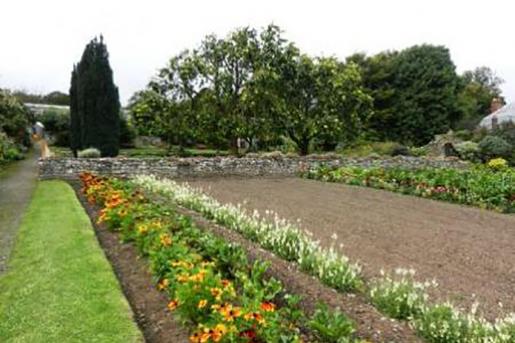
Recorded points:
(370, 324)
(152, 317)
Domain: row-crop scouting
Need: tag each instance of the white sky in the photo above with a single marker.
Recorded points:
(40, 40)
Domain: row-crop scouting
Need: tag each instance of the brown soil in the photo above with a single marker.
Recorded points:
(469, 251)
(147, 303)
(370, 324)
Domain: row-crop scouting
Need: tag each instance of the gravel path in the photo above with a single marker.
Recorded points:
(470, 252)
(17, 182)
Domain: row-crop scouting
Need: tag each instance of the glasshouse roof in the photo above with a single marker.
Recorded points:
(503, 115)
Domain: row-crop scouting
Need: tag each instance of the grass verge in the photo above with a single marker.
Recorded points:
(59, 286)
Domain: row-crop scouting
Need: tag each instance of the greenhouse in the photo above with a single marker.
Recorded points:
(504, 115)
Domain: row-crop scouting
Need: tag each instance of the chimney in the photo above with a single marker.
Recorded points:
(496, 105)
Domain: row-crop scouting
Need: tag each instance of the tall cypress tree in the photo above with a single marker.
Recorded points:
(95, 102)
(75, 144)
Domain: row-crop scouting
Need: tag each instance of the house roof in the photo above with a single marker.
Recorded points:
(504, 114)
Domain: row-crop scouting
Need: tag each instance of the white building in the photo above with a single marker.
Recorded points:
(503, 115)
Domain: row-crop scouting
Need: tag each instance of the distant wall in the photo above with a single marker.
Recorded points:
(70, 168)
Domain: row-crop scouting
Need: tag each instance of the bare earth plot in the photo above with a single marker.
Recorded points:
(470, 252)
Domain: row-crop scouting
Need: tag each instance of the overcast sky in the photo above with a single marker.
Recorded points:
(40, 40)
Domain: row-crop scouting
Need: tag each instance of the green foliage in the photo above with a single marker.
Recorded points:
(52, 98)
(468, 150)
(414, 91)
(255, 86)
(8, 149)
(57, 123)
(331, 327)
(14, 118)
(493, 146)
(475, 186)
(94, 103)
(365, 148)
(89, 153)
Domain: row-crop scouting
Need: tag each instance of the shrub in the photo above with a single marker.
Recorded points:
(418, 151)
(497, 164)
(8, 149)
(89, 153)
(399, 150)
(468, 150)
(331, 327)
(493, 146)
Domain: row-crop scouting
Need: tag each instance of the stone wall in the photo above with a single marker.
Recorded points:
(70, 168)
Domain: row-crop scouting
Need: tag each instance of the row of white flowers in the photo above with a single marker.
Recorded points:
(276, 235)
(398, 296)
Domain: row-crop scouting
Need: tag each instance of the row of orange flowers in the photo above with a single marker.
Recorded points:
(227, 302)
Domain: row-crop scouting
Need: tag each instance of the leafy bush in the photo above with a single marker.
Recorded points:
(363, 149)
(57, 124)
(331, 327)
(8, 149)
(465, 135)
(497, 164)
(418, 151)
(89, 153)
(493, 146)
(468, 150)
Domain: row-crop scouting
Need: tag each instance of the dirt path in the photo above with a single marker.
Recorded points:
(470, 252)
(17, 183)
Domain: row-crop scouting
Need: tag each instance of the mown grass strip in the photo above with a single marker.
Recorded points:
(59, 286)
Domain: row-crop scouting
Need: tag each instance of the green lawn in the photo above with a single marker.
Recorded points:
(59, 286)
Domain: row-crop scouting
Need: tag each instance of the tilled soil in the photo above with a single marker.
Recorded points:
(148, 304)
(470, 252)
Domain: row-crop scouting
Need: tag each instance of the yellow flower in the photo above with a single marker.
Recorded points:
(142, 229)
(172, 305)
(217, 293)
(182, 278)
(202, 303)
(165, 239)
(163, 284)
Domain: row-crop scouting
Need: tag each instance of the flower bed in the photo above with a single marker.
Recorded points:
(491, 187)
(209, 281)
(398, 295)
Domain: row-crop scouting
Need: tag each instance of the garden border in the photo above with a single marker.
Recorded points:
(153, 317)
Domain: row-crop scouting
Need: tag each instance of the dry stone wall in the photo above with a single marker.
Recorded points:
(70, 168)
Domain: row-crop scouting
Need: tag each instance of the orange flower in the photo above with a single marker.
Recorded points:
(229, 312)
(182, 278)
(226, 283)
(163, 284)
(217, 293)
(268, 306)
(258, 317)
(172, 305)
(202, 303)
(165, 239)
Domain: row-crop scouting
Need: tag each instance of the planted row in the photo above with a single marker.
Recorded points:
(277, 235)
(397, 295)
(491, 186)
(209, 281)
